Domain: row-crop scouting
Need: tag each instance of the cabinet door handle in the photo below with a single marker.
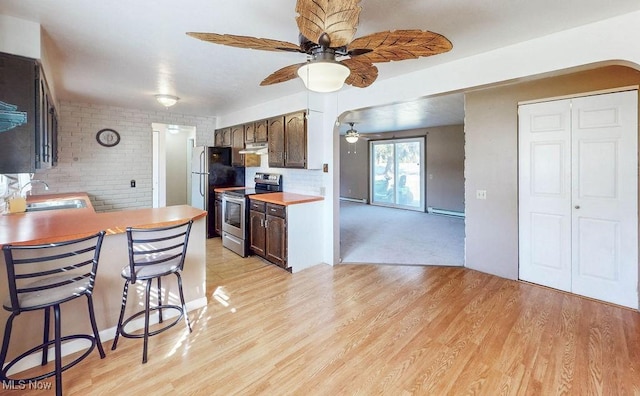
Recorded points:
(261, 222)
(266, 222)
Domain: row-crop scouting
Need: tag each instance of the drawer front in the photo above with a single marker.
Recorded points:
(256, 205)
(276, 210)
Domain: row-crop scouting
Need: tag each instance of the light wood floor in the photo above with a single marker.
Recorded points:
(365, 329)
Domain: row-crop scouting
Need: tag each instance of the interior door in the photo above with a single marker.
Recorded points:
(545, 194)
(605, 219)
(578, 196)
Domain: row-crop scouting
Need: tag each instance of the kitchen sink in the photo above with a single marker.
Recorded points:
(56, 204)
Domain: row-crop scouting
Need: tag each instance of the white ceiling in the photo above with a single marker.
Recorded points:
(121, 53)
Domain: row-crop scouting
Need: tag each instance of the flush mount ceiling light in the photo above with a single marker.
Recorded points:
(167, 100)
(352, 135)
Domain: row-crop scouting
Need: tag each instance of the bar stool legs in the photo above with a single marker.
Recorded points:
(120, 328)
(153, 253)
(46, 343)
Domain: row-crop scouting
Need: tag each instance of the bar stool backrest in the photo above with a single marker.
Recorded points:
(156, 246)
(46, 274)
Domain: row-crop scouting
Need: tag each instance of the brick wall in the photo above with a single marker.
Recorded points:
(105, 172)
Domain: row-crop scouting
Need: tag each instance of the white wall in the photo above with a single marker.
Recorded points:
(20, 37)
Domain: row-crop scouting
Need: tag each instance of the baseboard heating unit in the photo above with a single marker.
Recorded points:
(353, 200)
(445, 212)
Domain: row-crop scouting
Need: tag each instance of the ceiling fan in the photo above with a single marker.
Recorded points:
(327, 30)
(351, 136)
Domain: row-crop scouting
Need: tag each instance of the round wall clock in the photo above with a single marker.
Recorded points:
(108, 137)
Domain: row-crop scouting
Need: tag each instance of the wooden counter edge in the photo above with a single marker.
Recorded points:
(285, 198)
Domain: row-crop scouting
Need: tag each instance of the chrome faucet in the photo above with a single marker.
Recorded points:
(46, 186)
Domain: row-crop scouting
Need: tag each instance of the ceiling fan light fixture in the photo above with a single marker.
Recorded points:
(323, 76)
(167, 100)
(351, 136)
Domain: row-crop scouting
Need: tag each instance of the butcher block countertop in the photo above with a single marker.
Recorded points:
(285, 198)
(54, 225)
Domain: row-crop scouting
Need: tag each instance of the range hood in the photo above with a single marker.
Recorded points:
(255, 148)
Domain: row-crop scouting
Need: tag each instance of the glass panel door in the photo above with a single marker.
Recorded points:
(383, 174)
(397, 173)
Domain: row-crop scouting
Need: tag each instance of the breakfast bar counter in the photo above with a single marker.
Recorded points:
(51, 225)
(48, 226)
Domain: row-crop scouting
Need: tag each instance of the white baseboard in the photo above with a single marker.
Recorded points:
(74, 346)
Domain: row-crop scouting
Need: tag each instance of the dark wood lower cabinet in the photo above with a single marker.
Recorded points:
(276, 240)
(257, 239)
(268, 232)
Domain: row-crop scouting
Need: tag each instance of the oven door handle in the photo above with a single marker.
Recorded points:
(233, 199)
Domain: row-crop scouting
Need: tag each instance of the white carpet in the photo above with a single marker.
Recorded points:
(380, 235)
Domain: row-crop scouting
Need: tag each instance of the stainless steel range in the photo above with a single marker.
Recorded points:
(235, 211)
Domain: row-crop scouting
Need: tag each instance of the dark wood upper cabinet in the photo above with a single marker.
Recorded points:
(249, 132)
(29, 124)
(295, 140)
(276, 142)
(288, 141)
(237, 144)
(256, 132)
(261, 128)
(222, 137)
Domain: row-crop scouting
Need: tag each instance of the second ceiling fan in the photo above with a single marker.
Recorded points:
(327, 30)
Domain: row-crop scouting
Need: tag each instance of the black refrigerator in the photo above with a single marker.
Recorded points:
(211, 168)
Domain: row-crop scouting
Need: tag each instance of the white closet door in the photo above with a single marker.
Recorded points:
(578, 228)
(605, 195)
(545, 194)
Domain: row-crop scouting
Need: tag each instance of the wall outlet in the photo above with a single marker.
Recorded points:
(322, 191)
(481, 194)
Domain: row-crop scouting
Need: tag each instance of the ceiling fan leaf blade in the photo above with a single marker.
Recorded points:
(362, 74)
(246, 42)
(337, 18)
(399, 45)
(285, 74)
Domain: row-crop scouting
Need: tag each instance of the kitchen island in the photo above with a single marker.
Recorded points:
(54, 225)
